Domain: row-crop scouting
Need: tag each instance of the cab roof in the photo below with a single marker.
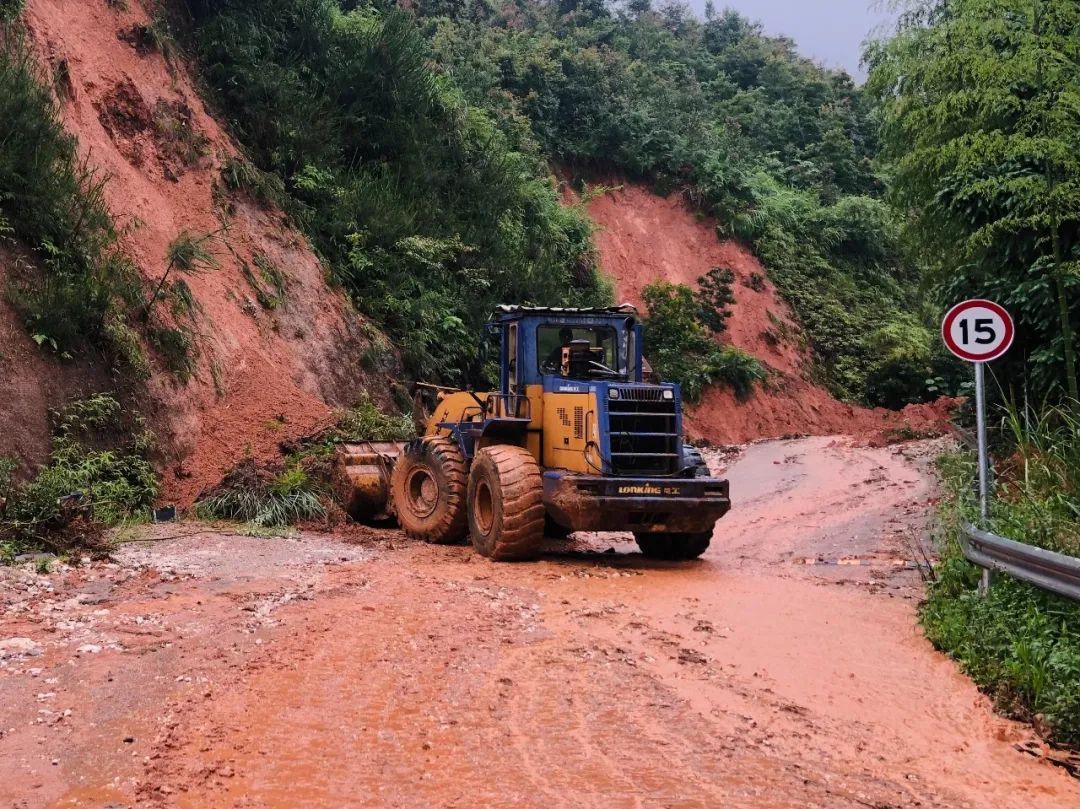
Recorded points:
(513, 312)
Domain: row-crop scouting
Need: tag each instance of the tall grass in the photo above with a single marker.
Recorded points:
(53, 203)
(1019, 644)
(264, 500)
(1039, 496)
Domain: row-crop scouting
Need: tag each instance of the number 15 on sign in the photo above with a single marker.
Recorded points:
(978, 331)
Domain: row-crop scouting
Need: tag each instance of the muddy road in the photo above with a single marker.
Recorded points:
(784, 669)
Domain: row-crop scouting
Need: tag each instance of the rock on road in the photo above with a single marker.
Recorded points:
(786, 668)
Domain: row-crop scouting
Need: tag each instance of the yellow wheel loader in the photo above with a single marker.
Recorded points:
(573, 440)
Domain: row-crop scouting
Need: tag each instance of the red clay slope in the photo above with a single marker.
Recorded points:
(644, 238)
(263, 375)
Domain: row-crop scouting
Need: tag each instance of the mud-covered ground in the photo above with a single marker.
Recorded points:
(784, 669)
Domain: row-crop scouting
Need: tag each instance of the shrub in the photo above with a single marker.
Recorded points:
(53, 202)
(263, 499)
(177, 348)
(10, 9)
(241, 175)
(98, 472)
(1019, 644)
(366, 422)
(682, 348)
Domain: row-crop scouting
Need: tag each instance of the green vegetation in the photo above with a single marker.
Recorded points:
(777, 149)
(265, 500)
(682, 346)
(1020, 644)
(368, 422)
(240, 175)
(425, 210)
(299, 489)
(269, 286)
(98, 474)
(10, 9)
(175, 340)
(979, 106)
(52, 204)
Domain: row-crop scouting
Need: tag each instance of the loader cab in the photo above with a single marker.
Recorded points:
(567, 348)
(576, 376)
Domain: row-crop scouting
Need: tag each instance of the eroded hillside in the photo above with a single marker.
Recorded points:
(273, 347)
(643, 238)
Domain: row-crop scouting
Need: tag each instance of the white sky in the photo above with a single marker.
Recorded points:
(828, 31)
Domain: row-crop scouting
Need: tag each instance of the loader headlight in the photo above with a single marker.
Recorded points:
(613, 393)
(669, 395)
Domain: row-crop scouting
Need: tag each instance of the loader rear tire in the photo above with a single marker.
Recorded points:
(506, 504)
(428, 486)
(673, 547)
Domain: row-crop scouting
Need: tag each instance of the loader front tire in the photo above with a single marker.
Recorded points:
(428, 486)
(673, 547)
(506, 505)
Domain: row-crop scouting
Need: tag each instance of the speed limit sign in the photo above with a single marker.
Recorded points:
(978, 330)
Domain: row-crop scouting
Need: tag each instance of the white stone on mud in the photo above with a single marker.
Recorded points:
(89, 648)
(15, 647)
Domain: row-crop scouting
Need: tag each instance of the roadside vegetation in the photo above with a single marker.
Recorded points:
(977, 101)
(1020, 644)
(99, 474)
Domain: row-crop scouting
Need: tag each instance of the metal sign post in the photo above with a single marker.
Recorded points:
(980, 428)
(984, 463)
(979, 331)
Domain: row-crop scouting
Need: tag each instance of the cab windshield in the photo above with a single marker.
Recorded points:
(579, 352)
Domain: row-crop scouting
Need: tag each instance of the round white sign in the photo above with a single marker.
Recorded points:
(978, 330)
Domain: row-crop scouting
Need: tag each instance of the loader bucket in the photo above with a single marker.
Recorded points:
(362, 478)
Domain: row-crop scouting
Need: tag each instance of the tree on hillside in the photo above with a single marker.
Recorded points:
(980, 104)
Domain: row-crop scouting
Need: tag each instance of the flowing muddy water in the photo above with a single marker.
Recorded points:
(786, 668)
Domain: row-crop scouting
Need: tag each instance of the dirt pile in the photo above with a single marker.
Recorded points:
(265, 371)
(645, 238)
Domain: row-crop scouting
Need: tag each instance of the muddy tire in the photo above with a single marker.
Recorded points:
(696, 467)
(506, 505)
(673, 547)
(428, 488)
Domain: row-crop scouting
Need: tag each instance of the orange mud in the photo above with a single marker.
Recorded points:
(364, 670)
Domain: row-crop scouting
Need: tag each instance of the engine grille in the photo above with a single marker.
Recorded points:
(643, 428)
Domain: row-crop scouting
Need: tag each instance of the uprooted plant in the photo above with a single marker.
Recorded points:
(264, 497)
(189, 253)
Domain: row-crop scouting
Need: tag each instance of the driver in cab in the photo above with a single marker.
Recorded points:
(576, 358)
(554, 360)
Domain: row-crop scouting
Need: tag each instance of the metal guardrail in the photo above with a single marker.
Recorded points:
(1054, 572)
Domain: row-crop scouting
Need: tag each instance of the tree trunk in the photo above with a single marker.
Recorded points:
(1066, 324)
